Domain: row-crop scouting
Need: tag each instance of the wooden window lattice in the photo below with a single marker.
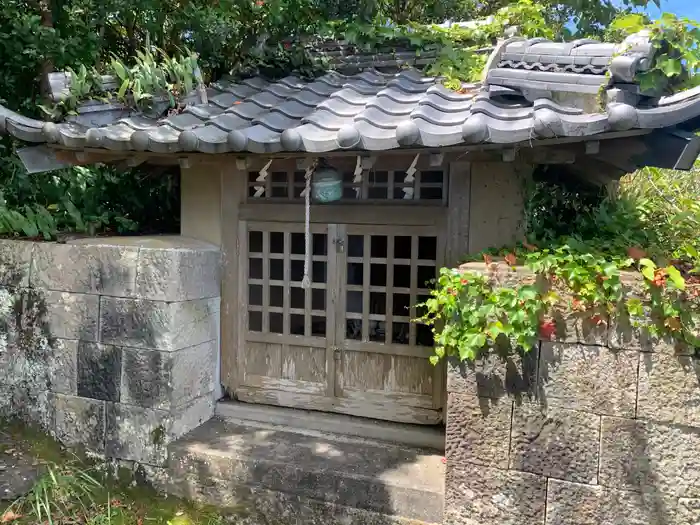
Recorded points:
(427, 187)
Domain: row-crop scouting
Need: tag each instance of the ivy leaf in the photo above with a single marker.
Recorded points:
(671, 67)
(648, 268)
(676, 278)
(434, 360)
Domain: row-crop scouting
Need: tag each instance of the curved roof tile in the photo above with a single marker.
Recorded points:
(533, 89)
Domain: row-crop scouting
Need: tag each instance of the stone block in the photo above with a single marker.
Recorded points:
(580, 328)
(480, 495)
(163, 380)
(669, 389)
(140, 323)
(63, 367)
(99, 371)
(622, 335)
(478, 430)
(589, 378)
(641, 455)
(143, 434)
(494, 376)
(15, 262)
(577, 504)
(71, 315)
(79, 422)
(555, 442)
(94, 269)
(688, 511)
(179, 274)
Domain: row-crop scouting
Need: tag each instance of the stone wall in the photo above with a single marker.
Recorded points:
(112, 344)
(600, 428)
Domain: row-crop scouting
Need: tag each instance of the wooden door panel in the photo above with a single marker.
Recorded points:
(285, 346)
(384, 272)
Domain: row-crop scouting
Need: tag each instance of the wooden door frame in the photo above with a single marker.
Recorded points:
(357, 216)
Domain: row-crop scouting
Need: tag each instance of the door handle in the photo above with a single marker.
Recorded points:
(339, 245)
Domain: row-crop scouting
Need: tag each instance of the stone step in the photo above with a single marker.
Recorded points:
(289, 477)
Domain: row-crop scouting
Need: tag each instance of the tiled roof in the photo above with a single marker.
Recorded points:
(533, 89)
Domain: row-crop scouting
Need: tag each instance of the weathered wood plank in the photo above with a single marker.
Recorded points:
(387, 411)
(370, 215)
(232, 309)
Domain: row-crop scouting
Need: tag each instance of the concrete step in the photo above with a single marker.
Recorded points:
(291, 478)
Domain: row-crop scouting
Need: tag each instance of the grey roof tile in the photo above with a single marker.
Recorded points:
(372, 110)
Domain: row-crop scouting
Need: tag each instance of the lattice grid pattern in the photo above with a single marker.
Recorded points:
(427, 187)
(277, 303)
(386, 276)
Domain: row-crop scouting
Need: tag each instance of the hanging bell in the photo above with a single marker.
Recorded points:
(327, 185)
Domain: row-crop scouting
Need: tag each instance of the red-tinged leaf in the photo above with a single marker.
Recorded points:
(511, 259)
(530, 247)
(487, 259)
(547, 329)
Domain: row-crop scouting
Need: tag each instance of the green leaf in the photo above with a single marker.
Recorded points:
(671, 67)
(122, 89)
(676, 278)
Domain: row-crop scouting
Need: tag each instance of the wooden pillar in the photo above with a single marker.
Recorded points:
(234, 185)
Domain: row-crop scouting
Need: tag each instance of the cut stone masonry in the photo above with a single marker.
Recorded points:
(132, 343)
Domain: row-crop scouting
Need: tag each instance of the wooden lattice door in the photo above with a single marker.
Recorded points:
(347, 344)
(285, 337)
(382, 368)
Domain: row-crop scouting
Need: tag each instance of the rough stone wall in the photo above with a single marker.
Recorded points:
(111, 344)
(601, 428)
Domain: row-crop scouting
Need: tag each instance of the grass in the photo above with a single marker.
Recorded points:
(74, 490)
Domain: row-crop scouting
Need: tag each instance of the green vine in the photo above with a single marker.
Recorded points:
(677, 43)
(474, 312)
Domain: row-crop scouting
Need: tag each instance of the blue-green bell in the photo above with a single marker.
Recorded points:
(327, 185)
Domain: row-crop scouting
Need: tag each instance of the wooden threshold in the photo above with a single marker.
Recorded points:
(308, 421)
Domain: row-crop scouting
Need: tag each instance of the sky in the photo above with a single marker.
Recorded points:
(689, 8)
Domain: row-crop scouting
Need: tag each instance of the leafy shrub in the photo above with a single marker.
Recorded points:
(90, 200)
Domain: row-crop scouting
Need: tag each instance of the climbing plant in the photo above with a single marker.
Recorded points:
(677, 43)
(630, 259)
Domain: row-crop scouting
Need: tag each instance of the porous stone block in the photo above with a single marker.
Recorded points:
(62, 364)
(582, 328)
(143, 434)
(642, 455)
(79, 421)
(140, 323)
(480, 495)
(688, 511)
(478, 430)
(94, 269)
(589, 378)
(494, 376)
(622, 335)
(669, 389)
(179, 274)
(163, 380)
(99, 371)
(578, 504)
(70, 315)
(555, 442)
(15, 262)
